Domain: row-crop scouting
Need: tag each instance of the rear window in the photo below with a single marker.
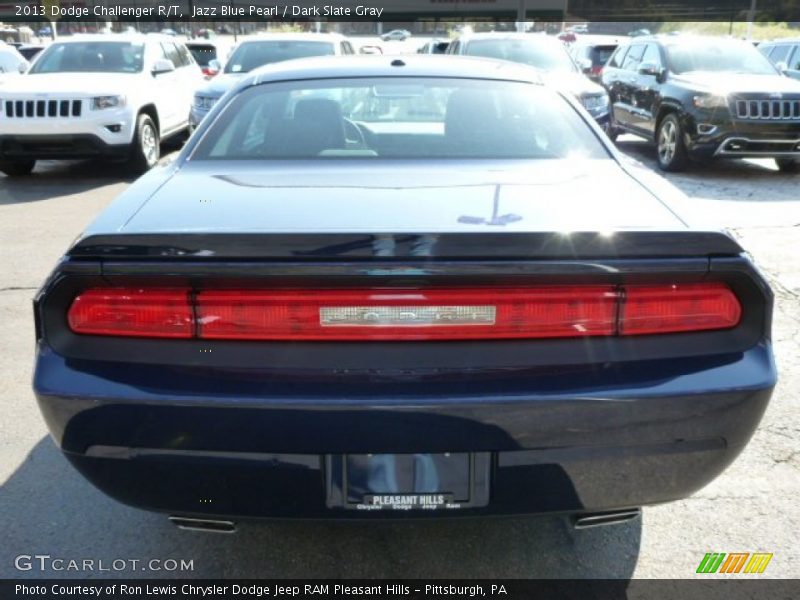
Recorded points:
(601, 54)
(398, 118)
(251, 55)
(203, 54)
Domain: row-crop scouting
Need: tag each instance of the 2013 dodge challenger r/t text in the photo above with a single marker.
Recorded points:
(403, 287)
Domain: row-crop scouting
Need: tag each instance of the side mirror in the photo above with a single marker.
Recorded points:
(653, 70)
(586, 65)
(162, 65)
(22, 68)
(782, 66)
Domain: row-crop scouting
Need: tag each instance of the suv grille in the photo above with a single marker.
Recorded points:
(768, 109)
(18, 109)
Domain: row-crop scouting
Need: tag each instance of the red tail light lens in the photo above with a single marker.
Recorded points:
(163, 313)
(441, 314)
(675, 308)
(391, 314)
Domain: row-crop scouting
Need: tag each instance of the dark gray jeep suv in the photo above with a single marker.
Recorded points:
(702, 97)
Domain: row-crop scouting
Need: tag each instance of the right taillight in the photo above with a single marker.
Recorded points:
(650, 309)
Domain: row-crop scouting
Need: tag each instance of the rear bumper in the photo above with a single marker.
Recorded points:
(589, 443)
(62, 146)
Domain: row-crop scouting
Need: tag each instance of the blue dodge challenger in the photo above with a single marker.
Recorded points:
(377, 287)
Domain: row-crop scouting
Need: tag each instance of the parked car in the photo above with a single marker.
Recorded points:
(257, 51)
(434, 47)
(784, 54)
(30, 51)
(11, 62)
(295, 318)
(396, 35)
(703, 97)
(591, 53)
(98, 96)
(540, 51)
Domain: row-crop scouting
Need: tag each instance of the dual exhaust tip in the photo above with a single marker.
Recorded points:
(618, 517)
(206, 525)
(584, 521)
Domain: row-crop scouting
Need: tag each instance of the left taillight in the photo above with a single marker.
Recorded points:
(133, 312)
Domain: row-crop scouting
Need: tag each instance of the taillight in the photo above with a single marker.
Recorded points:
(674, 308)
(440, 314)
(396, 314)
(162, 313)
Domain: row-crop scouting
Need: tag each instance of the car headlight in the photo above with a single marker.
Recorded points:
(595, 102)
(101, 102)
(710, 101)
(205, 102)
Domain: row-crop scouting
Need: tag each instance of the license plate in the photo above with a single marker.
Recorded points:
(413, 482)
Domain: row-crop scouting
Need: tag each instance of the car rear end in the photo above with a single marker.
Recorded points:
(502, 380)
(340, 339)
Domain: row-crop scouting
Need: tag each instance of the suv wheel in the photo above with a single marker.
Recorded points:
(17, 168)
(788, 165)
(669, 144)
(146, 146)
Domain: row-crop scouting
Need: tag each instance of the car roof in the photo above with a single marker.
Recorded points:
(509, 35)
(410, 65)
(296, 36)
(794, 40)
(665, 38)
(598, 40)
(134, 38)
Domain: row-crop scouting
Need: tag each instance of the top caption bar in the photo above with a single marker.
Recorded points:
(396, 10)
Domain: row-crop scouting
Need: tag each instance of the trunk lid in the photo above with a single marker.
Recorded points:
(343, 208)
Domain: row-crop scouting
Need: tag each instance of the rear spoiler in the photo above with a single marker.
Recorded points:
(379, 246)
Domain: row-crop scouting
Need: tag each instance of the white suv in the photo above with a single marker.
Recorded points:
(98, 96)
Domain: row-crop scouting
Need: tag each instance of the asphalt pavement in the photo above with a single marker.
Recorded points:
(47, 508)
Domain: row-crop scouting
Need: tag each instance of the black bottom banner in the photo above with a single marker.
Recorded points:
(248, 589)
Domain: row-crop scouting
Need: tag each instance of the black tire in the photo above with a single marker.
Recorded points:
(788, 165)
(146, 149)
(17, 168)
(670, 147)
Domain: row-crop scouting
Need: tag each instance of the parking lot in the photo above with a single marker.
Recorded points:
(48, 508)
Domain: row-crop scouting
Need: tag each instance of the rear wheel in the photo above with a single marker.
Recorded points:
(17, 168)
(146, 146)
(788, 165)
(671, 149)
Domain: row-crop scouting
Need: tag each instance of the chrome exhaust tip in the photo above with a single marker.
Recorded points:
(605, 518)
(207, 525)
